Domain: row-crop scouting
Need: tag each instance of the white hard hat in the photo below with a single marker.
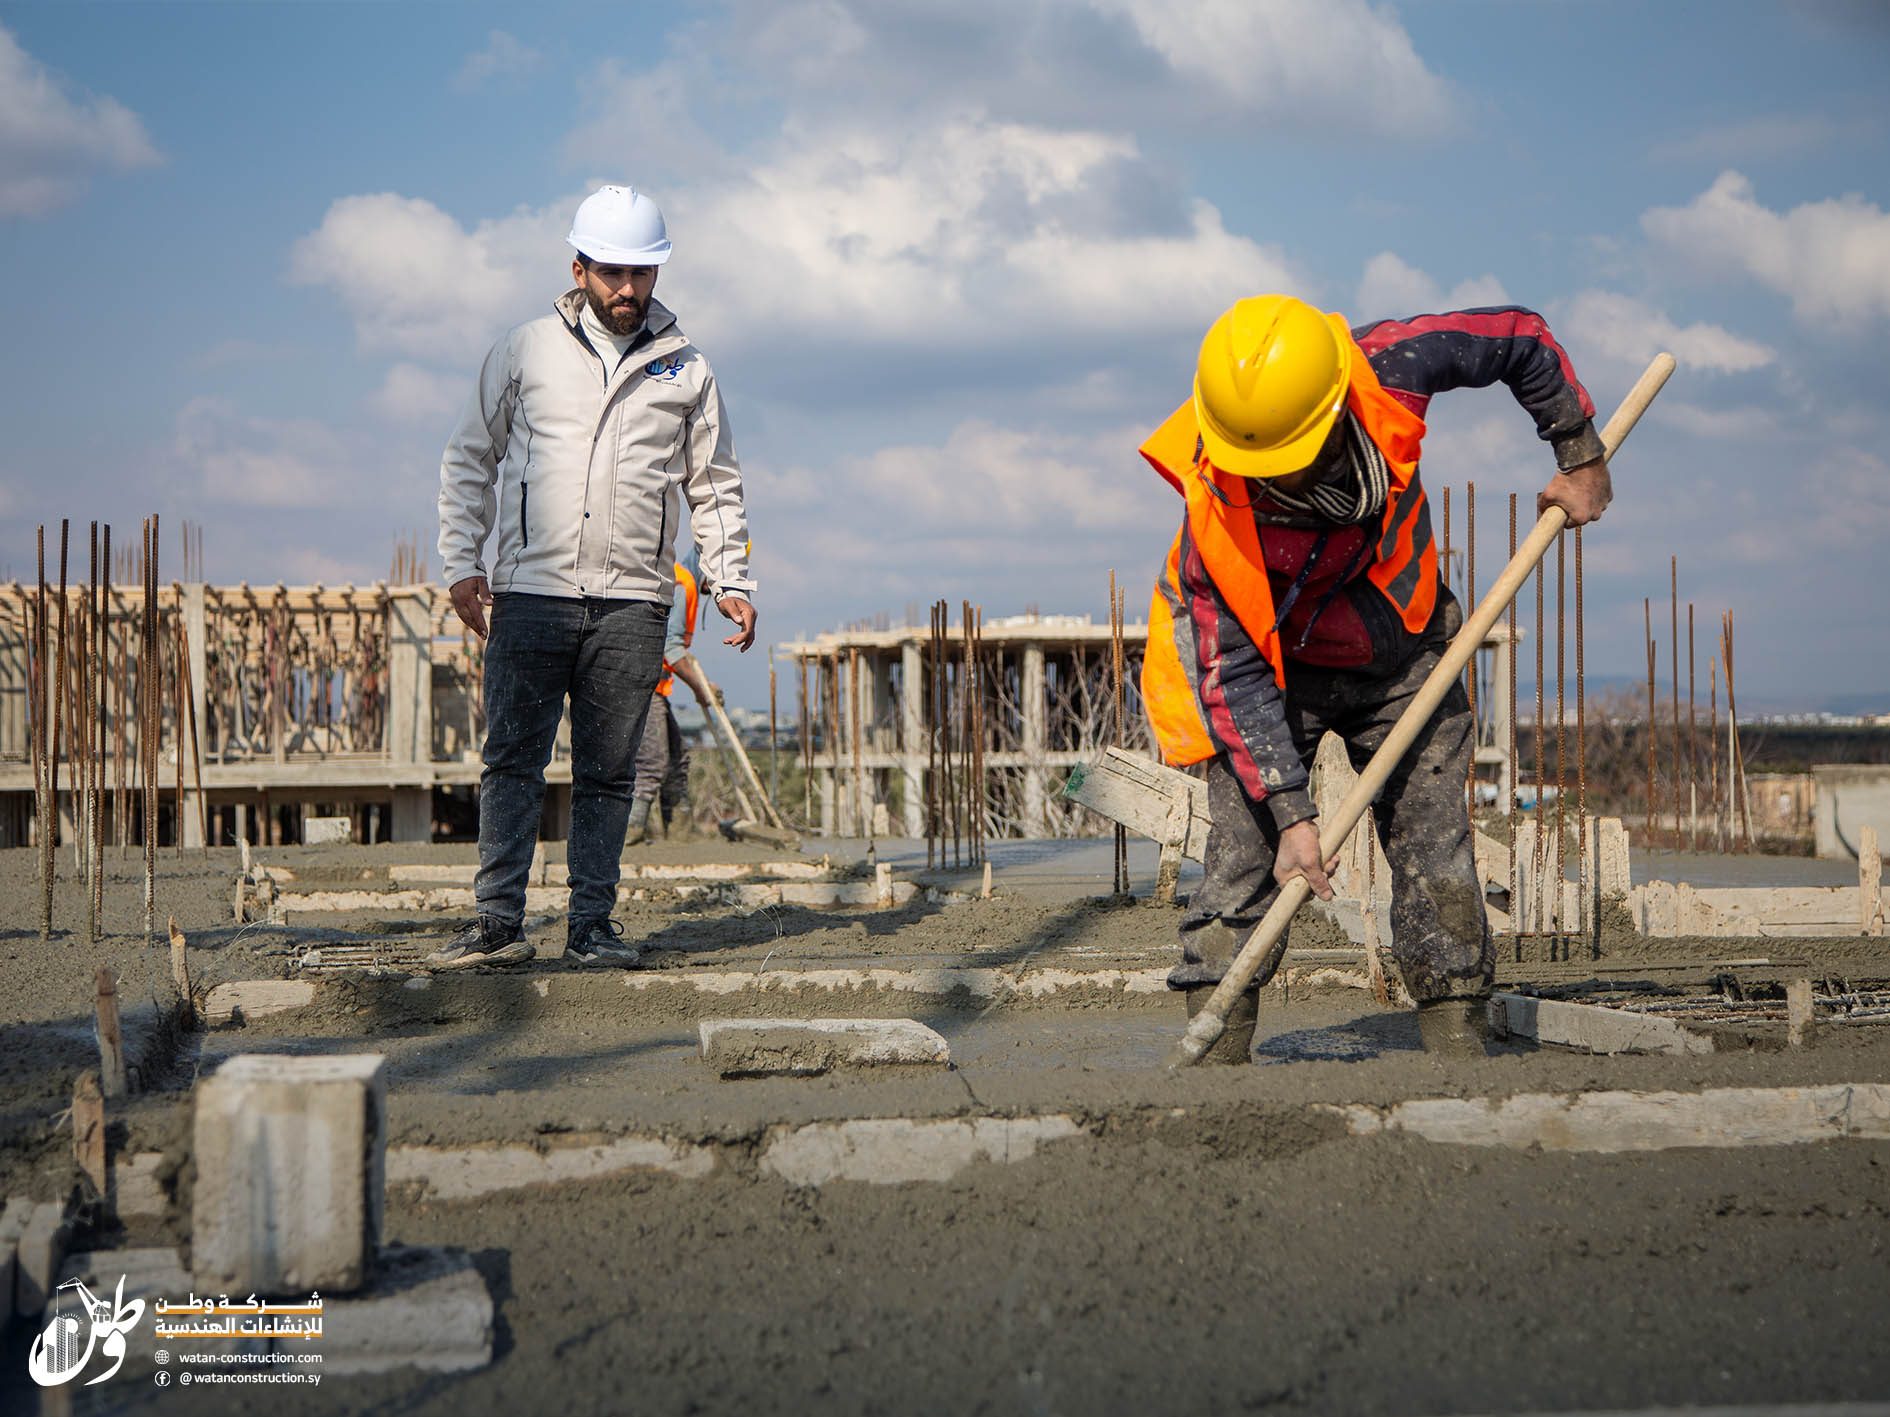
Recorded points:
(619, 226)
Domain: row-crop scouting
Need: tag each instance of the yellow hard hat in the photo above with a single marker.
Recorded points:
(1269, 385)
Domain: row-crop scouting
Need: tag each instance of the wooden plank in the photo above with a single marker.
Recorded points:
(88, 1129)
(254, 998)
(111, 1038)
(1869, 882)
(1590, 1027)
(1149, 798)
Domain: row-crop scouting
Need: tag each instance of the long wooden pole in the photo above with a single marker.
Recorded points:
(1267, 942)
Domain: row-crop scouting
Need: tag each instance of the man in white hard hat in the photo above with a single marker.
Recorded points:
(592, 432)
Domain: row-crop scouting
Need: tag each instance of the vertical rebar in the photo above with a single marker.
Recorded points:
(187, 709)
(860, 810)
(83, 731)
(1693, 756)
(121, 828)
(1647, 629)
(929, 700)
(1736, 767)
(1712, 749)
(1539, 857)
(1516, 922)
(774, 735)
(1584, 864)
(1470, 604)
(1561, 737)
(1121, 884)
(47, 746)
(176, 642)
(101, 662)
(59, 729)
(1446, 547)
(152, 676)
(1673, 591)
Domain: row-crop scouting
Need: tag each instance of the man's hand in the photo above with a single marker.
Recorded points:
(470, 599)
(1583, 492)
(733, 607)
(1299, 856)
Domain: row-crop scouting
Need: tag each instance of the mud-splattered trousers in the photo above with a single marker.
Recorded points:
(1440, 935)
(606, 656)
(662, 759)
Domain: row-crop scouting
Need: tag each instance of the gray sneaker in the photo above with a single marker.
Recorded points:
(599, 942)
(483, 941)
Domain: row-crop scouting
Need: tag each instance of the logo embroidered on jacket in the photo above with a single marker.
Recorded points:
(667, 371)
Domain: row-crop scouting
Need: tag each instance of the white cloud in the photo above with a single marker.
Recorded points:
(1767, 136)
(1317, 64)
(418, 283)
(504, 58)
(1830, 258)
(244, 460)
(1624, 329)
(978, 233)
(54, 142)
(983, 232)
(1391, 287)
(1743, 423)
(413, 394)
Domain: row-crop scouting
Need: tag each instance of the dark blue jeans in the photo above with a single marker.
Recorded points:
(606, 656)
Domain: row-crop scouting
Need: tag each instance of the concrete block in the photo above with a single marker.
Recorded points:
(428, 1308)
(1590, 1027)
(139, 1186)
(756, 1047)
(41, 1249)
(255, 998)
(291, 1173)
(891, 1150)
(327, 831)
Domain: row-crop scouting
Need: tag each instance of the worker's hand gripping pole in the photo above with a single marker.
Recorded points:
(1268, 941)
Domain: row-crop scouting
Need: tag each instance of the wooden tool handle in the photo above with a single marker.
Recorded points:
(1268, 941)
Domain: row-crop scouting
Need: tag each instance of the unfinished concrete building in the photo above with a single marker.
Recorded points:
(873, 727)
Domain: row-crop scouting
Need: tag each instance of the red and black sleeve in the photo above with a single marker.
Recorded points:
(1427, 354)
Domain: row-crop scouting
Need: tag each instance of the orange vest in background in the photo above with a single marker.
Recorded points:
(1403, 565)
(685, 583)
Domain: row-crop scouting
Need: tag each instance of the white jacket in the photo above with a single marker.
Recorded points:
(582, 474)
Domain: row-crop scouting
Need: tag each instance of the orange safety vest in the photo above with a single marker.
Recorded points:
(686, 583)
(1403, 567)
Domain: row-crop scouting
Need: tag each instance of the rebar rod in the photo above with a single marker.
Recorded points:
(48, 744)
(1538, 858)
(83, 728)
(1647, 630)
(1517, 925)
(1736, 769)
(807, 746)
(1673, 605)
(1693, 758)
(1584, 863)
(774, 734)
(1712, 749)
(1561, 735)
(1470, 598)
(101, 674)
(152, 675)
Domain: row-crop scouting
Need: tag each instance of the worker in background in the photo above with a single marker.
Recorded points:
(663, 757)
(590, 432)
(1303, 595)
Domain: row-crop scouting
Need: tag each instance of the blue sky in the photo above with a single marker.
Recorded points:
(951, 261)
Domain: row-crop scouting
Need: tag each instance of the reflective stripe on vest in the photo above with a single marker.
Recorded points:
(686, 583)
(1220, 520)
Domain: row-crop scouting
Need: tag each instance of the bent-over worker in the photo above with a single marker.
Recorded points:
(663, 757)
(1303, 595)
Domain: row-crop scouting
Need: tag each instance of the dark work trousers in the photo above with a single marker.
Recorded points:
(662, 758)
(606, 656)
(1440, 935)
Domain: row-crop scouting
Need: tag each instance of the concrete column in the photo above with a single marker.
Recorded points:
(195, 629)
(413, 814)
(912, 734)
(410, 677)
(13, 694)
(1031, 697)
(291, 1160)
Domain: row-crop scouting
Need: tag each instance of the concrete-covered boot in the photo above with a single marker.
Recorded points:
(1454, 1028)
(1235, 1045)
(639, 822)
